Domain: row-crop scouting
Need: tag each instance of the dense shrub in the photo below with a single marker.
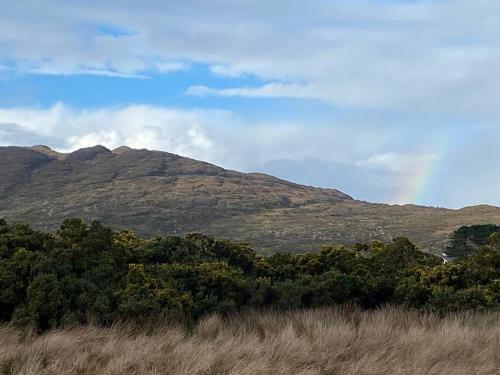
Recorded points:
(88, 272)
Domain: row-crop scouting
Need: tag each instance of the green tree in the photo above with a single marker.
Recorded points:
(468, 239)
(44, 304)
(146, 296)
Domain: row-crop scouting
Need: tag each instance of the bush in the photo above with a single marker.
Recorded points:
(87, 272)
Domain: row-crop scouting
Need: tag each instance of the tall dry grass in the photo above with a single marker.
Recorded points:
(324, 341)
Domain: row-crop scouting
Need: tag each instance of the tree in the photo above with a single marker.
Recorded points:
(147, 296)
(332, 287)
(468, 239)
(494, 241)
(16, 274)
(44, 304)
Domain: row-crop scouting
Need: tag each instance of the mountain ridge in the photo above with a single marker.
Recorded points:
(155, 192)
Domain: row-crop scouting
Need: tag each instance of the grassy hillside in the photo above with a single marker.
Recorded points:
(310, 342)
(154, 192)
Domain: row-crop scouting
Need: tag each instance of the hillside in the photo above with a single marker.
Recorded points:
(155, 192)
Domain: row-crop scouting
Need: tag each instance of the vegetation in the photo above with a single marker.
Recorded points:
(152, 192)
(316, 341)
(90, 273)
(468, 239)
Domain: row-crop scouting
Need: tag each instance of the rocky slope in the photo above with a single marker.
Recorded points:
(155, 192)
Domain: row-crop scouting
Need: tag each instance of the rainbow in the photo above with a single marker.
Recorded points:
(417, 183)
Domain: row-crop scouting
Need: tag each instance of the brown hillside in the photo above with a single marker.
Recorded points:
(155, 192)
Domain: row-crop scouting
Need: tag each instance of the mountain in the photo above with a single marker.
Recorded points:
(154, 192)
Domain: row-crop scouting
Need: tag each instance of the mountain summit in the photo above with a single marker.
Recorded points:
(155, 192)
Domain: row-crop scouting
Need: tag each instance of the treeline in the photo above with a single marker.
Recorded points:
(91, 273)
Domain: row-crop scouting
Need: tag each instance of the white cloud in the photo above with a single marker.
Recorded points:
(216, 136)
(270, 90)
(186, 132)
(165, 67)
(396, 162)
(94, 72)
(420, 56)
(100, 137)
(225, 70)
(38, 121)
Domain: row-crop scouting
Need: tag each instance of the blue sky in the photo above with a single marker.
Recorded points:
(389, 101)
(94, 91)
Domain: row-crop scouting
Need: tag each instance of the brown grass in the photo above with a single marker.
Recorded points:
(324, 341)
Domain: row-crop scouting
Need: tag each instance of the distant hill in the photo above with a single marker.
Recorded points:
(155, 192)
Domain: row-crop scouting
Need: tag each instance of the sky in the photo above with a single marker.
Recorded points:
(389, 101)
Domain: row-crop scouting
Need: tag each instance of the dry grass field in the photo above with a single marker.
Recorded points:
(324, 341)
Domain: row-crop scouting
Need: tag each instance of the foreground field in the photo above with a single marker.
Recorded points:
(323, 341)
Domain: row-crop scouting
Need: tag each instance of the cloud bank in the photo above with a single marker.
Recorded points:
(419, 56)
